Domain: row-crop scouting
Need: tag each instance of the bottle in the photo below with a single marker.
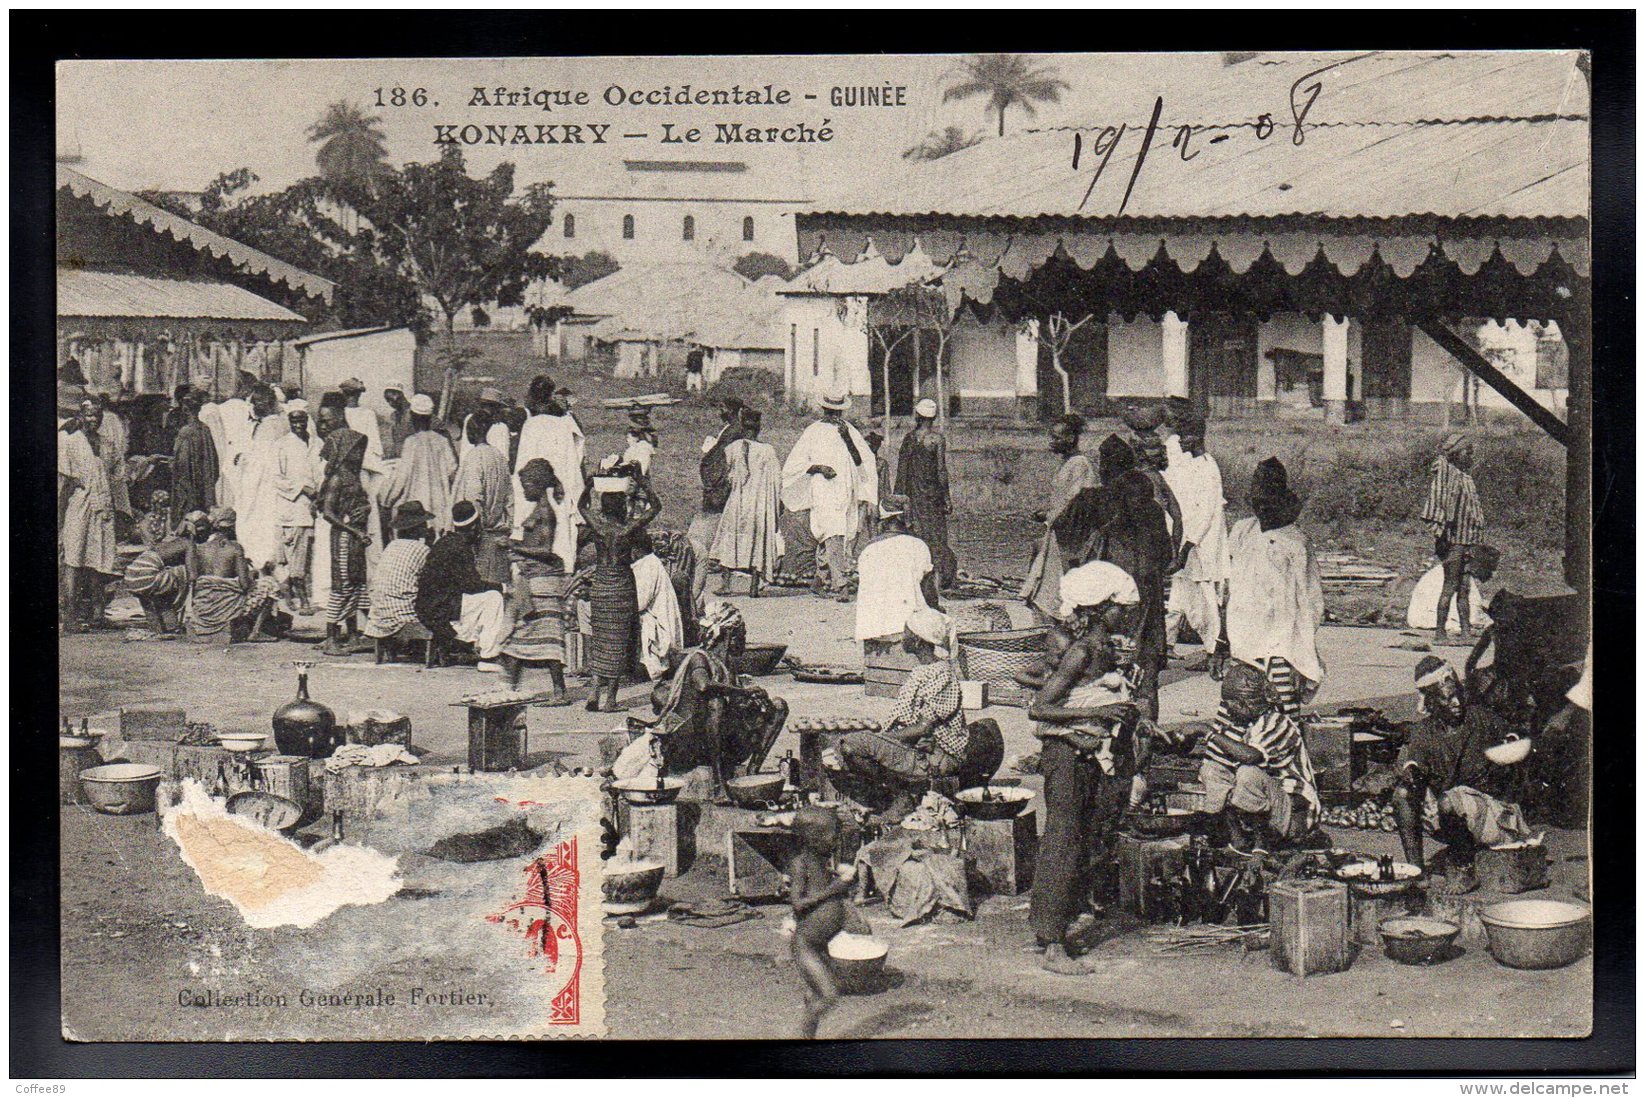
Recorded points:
(305, 727)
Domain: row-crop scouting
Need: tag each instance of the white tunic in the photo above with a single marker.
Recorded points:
(1275, 601)
(496, 435)
(889, 573)
(558, 441)
(1197, 484)
(833, 503)
(661, 629)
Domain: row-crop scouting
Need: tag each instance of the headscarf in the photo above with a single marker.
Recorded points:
(1095, 583)
(717, 618)
(1454, 441)
(1430, 672)
(222, 518)
(1144, 417)
(935, 628)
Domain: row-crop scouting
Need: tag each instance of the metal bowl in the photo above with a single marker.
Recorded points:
(755, 790)
(1509, 752)
(1536, 933)
(987, 802)
(269, 809)
(1417, 940)
(121, 789)
(858, 961)
(629, 887)
(648, 791)
(241, 742)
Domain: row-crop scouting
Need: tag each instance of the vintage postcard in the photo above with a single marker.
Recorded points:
(891, 546)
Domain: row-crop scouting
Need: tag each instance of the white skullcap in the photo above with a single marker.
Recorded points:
(422, 404)
(1094, 584)
(926, 409)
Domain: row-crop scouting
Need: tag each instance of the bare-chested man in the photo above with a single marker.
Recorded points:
(224, 591)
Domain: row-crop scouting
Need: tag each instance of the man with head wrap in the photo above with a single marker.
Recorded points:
(1085, 726)
(1256, 770)
(1448, 787)
(1197, 585)
(1453, 515)
(228, 600)
(86, 523)
(704, 715)
(1275, 600)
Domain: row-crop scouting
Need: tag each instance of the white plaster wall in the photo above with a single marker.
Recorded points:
(830, 350)
(658, 229)
(983, 358)
(1136, 358)
(379, 360)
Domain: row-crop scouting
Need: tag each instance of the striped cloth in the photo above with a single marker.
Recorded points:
(1284, 754)
(148, 575)
(1452, 510)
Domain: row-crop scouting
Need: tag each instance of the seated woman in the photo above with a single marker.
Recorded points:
(704, 716)
(1257, 773)
(926, 736)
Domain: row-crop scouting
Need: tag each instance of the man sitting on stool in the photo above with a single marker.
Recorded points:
(1257, 772)
(453, 602)
(1447, 786)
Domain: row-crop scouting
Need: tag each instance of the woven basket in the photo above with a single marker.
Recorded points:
(998, 656)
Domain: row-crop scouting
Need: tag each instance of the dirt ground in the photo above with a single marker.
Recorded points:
(137, 926)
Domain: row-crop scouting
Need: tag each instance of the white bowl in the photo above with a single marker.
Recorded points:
(242, 742)
(1509, 753)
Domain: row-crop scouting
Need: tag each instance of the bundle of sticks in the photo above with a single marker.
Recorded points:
(1205, 938)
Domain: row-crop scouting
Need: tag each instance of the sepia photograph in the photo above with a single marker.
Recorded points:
(935, 546)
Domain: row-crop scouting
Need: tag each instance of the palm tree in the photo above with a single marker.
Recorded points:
(1008, 80)
(352, 146)
(935, 146)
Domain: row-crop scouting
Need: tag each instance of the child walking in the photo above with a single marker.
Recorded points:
(818, 898)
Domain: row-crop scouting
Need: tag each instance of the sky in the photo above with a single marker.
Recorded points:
(176, 125)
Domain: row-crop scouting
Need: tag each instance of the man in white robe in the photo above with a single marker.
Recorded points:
(297, 480)
(830, 473)
(237, 421)
(258, 526)
(425, 468)
(895, 577)
(747, 538)
(553, 436)
(662, 632)
(1196, 589)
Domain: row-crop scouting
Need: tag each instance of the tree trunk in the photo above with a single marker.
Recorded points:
(1002, 121)
(942, 391)
(449, 383)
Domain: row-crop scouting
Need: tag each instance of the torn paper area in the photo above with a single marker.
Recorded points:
(268, 878)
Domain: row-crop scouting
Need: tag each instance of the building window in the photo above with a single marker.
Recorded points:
(570, 226)
(688, 229)
(628, 226)
(748, 229)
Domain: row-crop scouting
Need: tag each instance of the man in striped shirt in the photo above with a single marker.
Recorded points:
(1256, 771)
(1452, 512)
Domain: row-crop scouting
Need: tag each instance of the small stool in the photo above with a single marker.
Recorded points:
(386, 647)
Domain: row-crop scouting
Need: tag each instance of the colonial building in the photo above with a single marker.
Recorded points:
(676, 211)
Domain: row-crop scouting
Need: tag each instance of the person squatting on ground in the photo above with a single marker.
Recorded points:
(158, 577)
(1086, 729)
(704, 716)
(925, 737)
(227, 600)
(453, 601)
(613, 520)
(1256, 771)
(895, 577)
(1448, 787)
(1453, 515)
(817, 894)
(540, 585)
(394, 586)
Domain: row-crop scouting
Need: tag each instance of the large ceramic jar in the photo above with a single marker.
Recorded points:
(303, 726)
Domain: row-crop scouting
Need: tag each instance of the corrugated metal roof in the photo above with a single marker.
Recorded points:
(107, 294)
(1475, 169)
(243, 256)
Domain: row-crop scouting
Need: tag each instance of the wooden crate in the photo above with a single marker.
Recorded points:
(1330, 744)
(291, 777)
(1139, 860)
(757, 861)
(885, 668)
(1309, 920)
(1002, 852)
(654, 832)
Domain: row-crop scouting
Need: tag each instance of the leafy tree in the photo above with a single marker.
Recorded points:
(936, 145)
(756, 265)
(462, 241)
(353, 150)
(1006, 80)
(580, 270)
(301, 226)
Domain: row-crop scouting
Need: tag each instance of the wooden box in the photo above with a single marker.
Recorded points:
(378, 726)
(1139, 861)
(152, 722)
(358, 790)
(497, 737)
(1330, 742)
(288, 776)
(885, 668)
(1512, 869)
(757, 861)
(1309, 920)
(1002, 852)
(653, 830)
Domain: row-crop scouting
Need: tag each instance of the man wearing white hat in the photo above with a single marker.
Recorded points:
(491, 409)
(829, 473)
(297, 476)
(425, 468)
(895, 578)
(922, 476)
